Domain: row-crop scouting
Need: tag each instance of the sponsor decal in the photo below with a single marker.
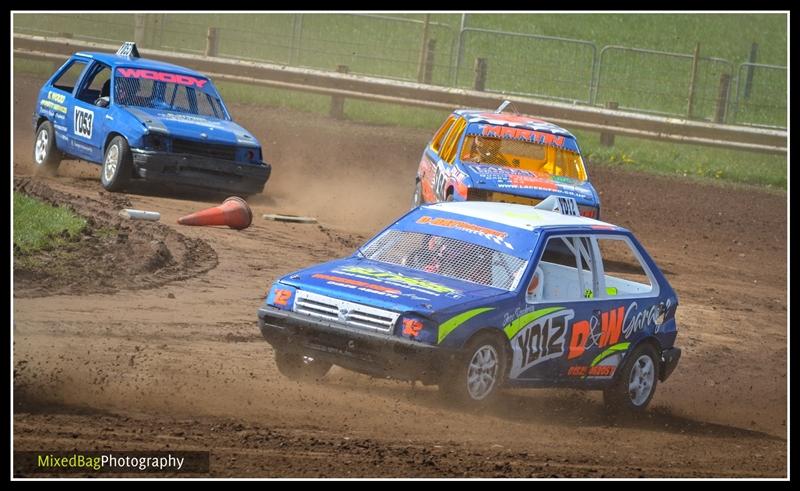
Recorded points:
(397, 279)
(85, 148)
(412, 327)
(360, 285)
(540, 336)
(53, 106)
(595, 371)
(607, 328)
(83, 120)
(56, 97)
(495, 236)
(162, 77)
(508, 132)
(531, 181)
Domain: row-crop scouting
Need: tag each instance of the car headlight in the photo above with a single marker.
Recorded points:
(281, 296)
(417, 328)
(156, 142)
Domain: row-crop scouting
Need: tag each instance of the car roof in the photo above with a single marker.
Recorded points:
(520, 216)
(114, 61)
(513, 120)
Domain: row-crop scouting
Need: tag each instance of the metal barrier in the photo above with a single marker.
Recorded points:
(552, 67)
(426, 95)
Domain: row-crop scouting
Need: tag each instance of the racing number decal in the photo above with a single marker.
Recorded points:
(83, 122)
(282, 297)
(439, 181)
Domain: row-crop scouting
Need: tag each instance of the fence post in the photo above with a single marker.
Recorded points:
(423, 50)
(212, 42)
(140, 30)
(480, 74)
(693, 81)
(748, 84)
(607, 139)
(337, 101)
(427, 76)
(722, 97)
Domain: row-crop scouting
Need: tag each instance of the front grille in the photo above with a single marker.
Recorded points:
(350, 313)
(213, 150)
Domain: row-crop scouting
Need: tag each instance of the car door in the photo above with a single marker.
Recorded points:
(559, 291)
(624, 309)
(60, 95)
(90, 119)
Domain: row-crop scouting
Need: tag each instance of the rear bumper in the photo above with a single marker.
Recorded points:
(509, 196)
(372, 353)
(669, 360)
(200, 172)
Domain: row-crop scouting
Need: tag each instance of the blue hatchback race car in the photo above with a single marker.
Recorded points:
(144, 119)
(475, 296)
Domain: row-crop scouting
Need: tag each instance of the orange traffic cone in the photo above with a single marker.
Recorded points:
(233, 212)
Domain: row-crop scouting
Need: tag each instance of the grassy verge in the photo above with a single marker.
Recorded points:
(690, 161)
(39, 226)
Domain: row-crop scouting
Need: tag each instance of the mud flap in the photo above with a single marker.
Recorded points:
(669, 360)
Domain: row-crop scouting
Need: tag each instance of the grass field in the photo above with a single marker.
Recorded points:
(38, 225)
(557, 69)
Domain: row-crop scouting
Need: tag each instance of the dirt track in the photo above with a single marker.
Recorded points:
(138, 369)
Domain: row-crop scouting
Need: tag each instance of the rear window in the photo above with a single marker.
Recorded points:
(448, 257)
(69, 77)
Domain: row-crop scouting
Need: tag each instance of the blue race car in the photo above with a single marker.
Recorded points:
(510, 158)
(144, 119)
(475, 296)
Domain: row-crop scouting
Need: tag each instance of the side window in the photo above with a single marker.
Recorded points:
(451, 142)
(98, 84)
(624, 273)
(69, 77)
(565, 271)
(440, 134)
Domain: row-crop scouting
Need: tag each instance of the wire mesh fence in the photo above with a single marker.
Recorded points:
(403, 47)
(547, 66)
(759, 95)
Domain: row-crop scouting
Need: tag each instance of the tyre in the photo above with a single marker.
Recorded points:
(476, 376)
(297, 366)
(117, 165)
(636, 383)
(417, 199)
(46, 155)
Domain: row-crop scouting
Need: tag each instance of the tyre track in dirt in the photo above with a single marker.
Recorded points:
(144, 363)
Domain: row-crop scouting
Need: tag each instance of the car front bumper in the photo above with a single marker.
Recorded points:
(372, 353)
(202, 172)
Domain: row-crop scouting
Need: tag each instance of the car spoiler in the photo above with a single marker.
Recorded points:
(560, 204)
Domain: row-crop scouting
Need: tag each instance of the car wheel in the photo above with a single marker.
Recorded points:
(417, 200)
(297, 366)
(475, 377)
(635, 385)
(46, 156)
(117, 165)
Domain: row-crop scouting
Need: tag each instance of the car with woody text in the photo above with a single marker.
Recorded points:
(475, 296)
(147, 120)
(495, 156)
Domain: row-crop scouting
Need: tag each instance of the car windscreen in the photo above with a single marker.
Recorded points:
(447, 256)
(166, 91)
(523, 154)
